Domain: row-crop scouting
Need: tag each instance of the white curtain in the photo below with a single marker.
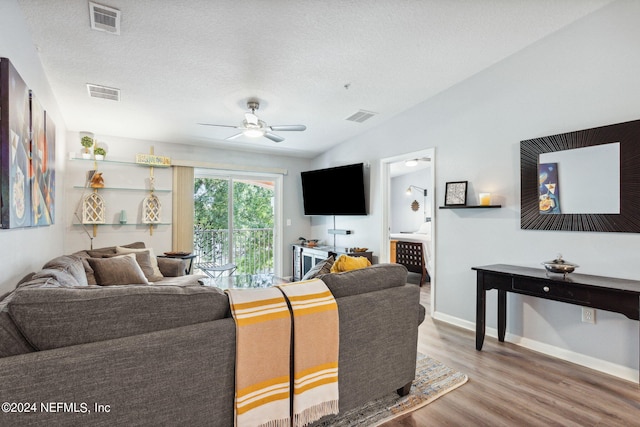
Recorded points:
(182, 209)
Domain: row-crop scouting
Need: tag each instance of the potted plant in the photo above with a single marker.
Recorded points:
(99, 152)
(87, 143)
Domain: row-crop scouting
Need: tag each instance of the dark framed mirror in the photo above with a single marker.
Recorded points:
(626, 138)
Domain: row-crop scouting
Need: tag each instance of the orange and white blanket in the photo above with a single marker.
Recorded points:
(263, 339)
(315, 350)
(263, 357)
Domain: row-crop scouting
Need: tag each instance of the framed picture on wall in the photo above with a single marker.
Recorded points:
(455, 193)
(15, 148)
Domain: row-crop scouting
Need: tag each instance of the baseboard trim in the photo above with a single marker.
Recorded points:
(619, 371)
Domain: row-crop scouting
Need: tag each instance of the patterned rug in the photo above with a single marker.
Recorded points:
(433, 380)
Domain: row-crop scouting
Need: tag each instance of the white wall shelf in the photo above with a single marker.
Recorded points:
(122, 162)
(157, 190)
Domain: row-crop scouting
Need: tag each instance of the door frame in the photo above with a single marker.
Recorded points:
(385, 180)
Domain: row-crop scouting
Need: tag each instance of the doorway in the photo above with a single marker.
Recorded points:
(236, 220)
(408, 194)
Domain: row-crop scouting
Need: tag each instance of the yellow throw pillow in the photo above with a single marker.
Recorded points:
(346, 263)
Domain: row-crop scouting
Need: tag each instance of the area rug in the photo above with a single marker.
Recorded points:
(433, 380)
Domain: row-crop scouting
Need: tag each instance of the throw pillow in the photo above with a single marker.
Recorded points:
(100, 252)
(119, 270)
(144, 261)
(154, 262)
(347, 263)
(71, 264)
(323, 267)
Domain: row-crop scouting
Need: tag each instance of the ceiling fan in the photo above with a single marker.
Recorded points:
(253, 127)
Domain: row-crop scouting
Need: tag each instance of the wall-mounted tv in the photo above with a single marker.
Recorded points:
(334, 191)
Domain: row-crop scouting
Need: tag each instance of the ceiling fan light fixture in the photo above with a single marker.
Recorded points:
(251, 119)
(253, 132)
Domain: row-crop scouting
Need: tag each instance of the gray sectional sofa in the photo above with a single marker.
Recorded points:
(76, 353)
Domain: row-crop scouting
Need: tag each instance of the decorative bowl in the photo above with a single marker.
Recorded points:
(559, 265)
(177, 253)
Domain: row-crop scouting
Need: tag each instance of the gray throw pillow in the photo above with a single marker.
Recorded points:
(323, 267)
(154, 261)
(71, 264)
(143, 259)
(120, 270)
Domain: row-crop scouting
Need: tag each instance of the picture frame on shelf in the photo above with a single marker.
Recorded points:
(455, 193)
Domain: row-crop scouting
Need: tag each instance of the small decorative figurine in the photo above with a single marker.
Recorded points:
(97, 181)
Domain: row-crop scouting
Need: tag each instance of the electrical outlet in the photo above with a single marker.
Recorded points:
(588, 315)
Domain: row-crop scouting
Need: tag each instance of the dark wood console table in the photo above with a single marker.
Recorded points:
(605, 293)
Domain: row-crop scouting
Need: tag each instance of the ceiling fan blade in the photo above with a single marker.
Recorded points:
(222, 126)
(273, 137)
(234, 136)
(288, 127)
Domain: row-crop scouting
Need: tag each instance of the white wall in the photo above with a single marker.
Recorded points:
(27, 249)
(582, 76)
(403, 218)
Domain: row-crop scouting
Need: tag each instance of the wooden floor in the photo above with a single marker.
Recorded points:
(512, 386)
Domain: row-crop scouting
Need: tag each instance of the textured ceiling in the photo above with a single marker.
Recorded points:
(311, 62)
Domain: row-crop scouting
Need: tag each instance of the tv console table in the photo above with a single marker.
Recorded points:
(605, 293)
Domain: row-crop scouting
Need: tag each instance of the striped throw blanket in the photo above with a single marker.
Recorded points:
(263, 339)
(315, 350)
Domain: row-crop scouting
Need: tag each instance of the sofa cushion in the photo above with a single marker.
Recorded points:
(11, 340)
(60, 276)
(118, 270)
(172, 267)
(323, 267)
(369, 279)
(71, 264)
(348, 263)
(143, 258)
(99, 253)
(154, 261)
(53, 317)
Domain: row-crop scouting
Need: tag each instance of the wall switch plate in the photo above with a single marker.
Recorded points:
(588, 315)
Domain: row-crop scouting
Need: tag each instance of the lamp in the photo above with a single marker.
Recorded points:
(253, 133)
(412, 187)
(254, 127)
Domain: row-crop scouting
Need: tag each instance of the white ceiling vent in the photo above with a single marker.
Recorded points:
(104, 18)
(361, 116)
(97, 91)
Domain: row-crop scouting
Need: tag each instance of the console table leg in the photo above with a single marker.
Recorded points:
(502, 314)
(481, 307)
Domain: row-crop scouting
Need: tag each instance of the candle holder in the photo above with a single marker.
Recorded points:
(485, 199)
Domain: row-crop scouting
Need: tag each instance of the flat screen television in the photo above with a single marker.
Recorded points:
(334, 191)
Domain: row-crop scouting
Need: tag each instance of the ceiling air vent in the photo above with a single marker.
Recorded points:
(361, 116)
(97, 91)
(104, 18)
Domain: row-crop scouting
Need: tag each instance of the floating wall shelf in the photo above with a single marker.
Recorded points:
(122, 162)
(471, 207)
